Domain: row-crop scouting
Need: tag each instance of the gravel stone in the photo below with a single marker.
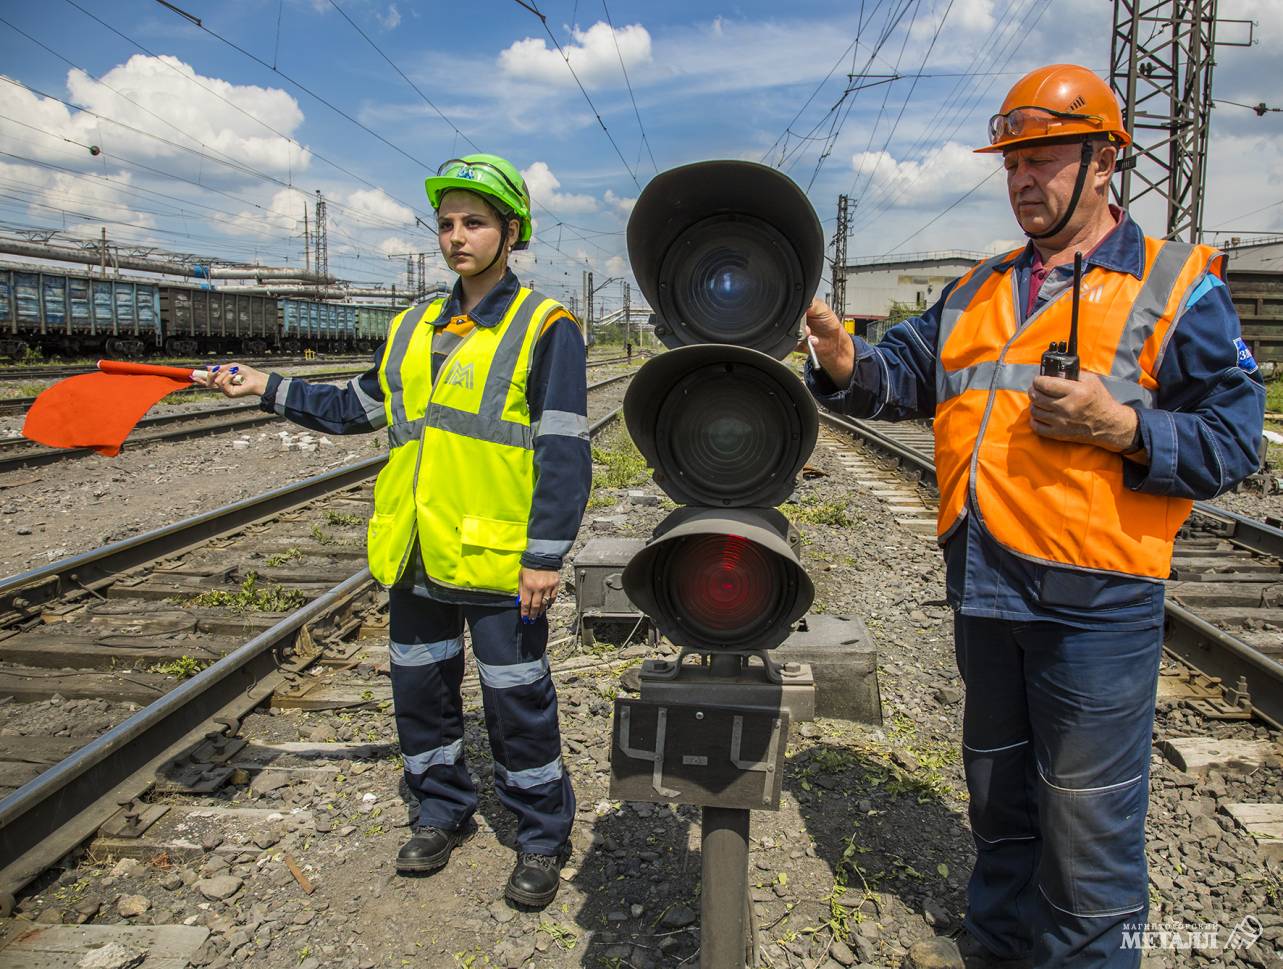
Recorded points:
(219, 887)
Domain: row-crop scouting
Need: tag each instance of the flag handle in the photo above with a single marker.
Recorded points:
(155, 370)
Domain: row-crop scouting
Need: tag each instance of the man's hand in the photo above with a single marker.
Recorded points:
(221, 376)
(1081, 411)
(538, 590)
(832, 344)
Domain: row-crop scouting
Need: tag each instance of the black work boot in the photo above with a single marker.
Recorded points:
(536, 878)
(429, 848)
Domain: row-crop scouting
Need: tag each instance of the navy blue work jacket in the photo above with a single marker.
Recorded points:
(1203, 437)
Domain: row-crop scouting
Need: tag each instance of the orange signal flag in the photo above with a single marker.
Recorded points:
(98, 410)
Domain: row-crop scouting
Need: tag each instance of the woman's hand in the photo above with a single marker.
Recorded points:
(538, 591)
(223, 377)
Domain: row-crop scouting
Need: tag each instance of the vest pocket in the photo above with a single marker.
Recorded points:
(490, 553)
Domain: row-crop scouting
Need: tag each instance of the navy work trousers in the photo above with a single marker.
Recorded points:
(521, 716)
(1056, 745)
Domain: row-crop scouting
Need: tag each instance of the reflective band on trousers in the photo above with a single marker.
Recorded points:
(1049, 501)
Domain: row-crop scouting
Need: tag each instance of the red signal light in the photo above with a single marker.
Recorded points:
(723, 585)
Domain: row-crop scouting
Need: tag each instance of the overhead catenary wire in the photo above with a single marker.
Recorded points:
(629, 84)
(459, 133)
(566, 57)
(956, 202)
(234, 106)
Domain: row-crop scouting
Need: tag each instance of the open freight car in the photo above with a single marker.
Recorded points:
(72, 314)
(198, 321)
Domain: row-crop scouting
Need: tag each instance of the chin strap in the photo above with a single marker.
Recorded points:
(1084, 163)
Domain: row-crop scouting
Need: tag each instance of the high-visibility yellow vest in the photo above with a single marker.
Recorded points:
(460, 471)
(1053, 501)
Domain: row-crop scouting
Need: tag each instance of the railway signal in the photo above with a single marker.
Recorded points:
(729, 254)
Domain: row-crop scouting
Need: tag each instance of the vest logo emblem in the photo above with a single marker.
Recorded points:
(460, 375)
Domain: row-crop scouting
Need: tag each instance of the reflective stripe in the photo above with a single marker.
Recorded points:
(994, 750)
(548, 546)
(1148, 308)
(425, 654)
(374, 412)
(1020, 377)
(418, 763)
(1012, 837)
(516, 674)
(481, 428)
(394, 362)
(532, 777)
(562, 423)
(503, 365)
(1090, 915)
(282, 395)
(406, 433)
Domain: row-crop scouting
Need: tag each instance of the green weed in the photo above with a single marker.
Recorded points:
(250, 598)
(277, 559)
(337, 518)
(622, 465)
(185, 667)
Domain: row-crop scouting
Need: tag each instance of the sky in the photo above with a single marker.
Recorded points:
(212, 139)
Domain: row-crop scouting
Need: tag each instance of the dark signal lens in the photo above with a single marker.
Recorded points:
(730, 280)
(724, 588)
(727, 433)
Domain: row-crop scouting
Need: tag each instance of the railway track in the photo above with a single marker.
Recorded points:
(19, 405)
(1224, 608)
(197, 623)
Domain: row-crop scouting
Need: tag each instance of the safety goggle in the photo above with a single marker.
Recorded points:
(1034, 122)
(465, 171)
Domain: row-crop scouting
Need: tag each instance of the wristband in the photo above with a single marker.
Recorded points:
(1137, 442)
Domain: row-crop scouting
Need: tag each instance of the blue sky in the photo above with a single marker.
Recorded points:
(709, 80)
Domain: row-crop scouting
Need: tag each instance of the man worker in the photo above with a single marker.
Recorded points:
(1059, 503)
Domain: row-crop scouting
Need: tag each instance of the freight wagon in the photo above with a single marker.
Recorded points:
(70, 313)
(208, 321)
(73, 314)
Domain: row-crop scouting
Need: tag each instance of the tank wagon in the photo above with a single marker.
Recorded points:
(70, 313)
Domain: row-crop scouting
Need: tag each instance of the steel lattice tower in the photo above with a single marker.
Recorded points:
(838, 271)
(1161, 69)
(322, 243)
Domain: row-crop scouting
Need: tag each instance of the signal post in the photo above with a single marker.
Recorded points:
(729, 254)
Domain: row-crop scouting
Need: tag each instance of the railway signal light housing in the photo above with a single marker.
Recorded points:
(726, 252)
(729, 254)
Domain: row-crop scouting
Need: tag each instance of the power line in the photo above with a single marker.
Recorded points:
(620, 54)
(192, 79)
(566, 57)
(958, 201)
(912, 87)
(459, 132)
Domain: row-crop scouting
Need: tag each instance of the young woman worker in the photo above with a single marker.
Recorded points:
(483, 395)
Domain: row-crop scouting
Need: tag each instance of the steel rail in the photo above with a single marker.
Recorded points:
(63, 806)
(46, 817)
(1187, 637)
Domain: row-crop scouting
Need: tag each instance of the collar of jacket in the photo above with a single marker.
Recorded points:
(1122, 250)
(490, 311)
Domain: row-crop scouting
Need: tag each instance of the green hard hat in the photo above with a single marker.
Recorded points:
(491, 176)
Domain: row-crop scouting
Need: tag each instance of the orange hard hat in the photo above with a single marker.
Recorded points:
(1057, 101)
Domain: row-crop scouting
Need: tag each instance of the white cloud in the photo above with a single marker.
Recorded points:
(543, 185)
(621, 203)
(593, 55)
(378, 205)
(941, 176)
(392, 19)
(83, 198)
(163, 88)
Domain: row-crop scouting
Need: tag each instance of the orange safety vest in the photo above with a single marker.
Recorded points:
(1052, 501)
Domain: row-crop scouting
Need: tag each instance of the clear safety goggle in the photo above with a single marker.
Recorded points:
(461, 168)
(1034, 122)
